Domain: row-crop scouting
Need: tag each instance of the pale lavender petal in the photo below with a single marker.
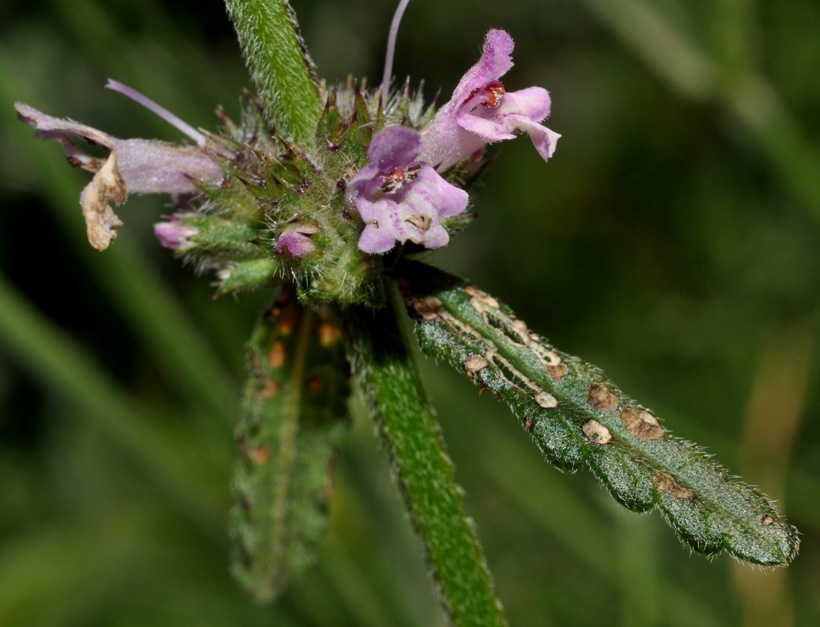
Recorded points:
(368, 210)
(533, 102)
(394, 146)
(436, 237)
(447, 199)
(519, 110)
(376, 240)
(488, 130)
(544, 139)
(154, 167)
(411, 205)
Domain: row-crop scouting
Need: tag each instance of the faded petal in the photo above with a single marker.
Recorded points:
(481, 111)
(134, 165)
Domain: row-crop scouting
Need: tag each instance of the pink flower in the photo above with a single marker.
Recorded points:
(175, 234)
(296, 240)
(481, 111)
(402, 199)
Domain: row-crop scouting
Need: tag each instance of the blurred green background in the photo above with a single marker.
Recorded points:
(674, 240)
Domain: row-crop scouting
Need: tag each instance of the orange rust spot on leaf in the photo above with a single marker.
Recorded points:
(641, 424)
(329, 334)
(277, 355)
(557, 371)
(260, 455)
(315, 384)
(289, 321)
(667, 483)
(274, 312)
(271, 389)
(599, 396)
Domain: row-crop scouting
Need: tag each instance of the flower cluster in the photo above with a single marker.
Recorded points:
(401, 195)
(256, 208)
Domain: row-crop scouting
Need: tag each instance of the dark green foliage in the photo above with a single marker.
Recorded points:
(294, 418)
(576, 415)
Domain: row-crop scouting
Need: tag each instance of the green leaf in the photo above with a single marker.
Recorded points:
(294, 420)
(280, 65)
(394, 395)
(576, 415)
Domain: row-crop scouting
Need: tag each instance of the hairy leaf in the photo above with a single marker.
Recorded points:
(280, 65)
(294, 419)
(576, 415)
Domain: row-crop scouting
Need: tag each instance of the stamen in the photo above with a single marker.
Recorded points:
(391, 49)
(393, 180)
(495, 91)
(156, 109)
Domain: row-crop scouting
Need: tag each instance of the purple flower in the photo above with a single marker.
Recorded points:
(296, 240)
(402, 199)
(481, 111)
(175, 234)
(133, 166)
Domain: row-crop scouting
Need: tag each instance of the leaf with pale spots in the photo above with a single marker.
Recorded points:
(293, 422)
(577, 416)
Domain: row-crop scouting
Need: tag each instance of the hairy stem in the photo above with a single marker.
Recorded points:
(394, 395)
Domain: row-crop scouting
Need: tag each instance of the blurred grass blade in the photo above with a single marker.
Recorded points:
(280, 65)
(394, 395)
(578, 416)
(293, 421)
(57, 359)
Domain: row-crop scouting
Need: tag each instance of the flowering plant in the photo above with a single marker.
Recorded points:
(323, 193)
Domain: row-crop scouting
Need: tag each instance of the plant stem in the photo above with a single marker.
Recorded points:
(393, 392)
